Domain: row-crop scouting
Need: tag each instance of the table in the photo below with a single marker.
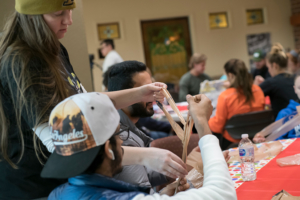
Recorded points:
(271, 178)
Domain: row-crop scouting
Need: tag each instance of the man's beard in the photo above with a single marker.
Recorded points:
(116, 165)
(139, 110)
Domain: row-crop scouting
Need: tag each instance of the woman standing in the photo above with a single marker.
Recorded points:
(241, 97)
(35, 75)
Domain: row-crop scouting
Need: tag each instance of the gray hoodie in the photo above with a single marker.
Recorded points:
(138, 174)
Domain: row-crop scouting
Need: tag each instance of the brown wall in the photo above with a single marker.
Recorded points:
(295, 6)
(219, 45)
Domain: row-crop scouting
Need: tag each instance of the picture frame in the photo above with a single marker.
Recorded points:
(255, 16)
(167, 48)
(218, 20)
(108, 31)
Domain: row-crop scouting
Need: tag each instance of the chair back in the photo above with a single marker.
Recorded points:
(174, 144)
(250, 123)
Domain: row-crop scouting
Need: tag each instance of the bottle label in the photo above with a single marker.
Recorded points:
(247, 151)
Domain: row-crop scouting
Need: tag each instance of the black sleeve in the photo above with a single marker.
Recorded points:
(37, 95)
(155, 125)
(267, 86)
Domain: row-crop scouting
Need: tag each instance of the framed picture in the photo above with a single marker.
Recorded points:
(255, 16)
(167, 47)
(218, 20)
(108, 31)
(261, 41)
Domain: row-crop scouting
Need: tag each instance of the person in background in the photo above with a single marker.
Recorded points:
(290, 110)
(280, 86)
(91, 164)
(260, 72)
(190, 81)
(293, 62)
(241, 97)
(105, 79)
(122, 76)
(111, 56)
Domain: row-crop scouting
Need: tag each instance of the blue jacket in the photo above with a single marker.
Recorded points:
(289, 110)
(96, 186)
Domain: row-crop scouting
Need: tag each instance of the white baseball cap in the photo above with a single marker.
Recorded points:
(79, 126)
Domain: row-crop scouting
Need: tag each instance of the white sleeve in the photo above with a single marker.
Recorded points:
(108, 62)
(217, 181)
(43, 132)
(112, 58)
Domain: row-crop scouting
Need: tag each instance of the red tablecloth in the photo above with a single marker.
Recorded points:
(272, 178)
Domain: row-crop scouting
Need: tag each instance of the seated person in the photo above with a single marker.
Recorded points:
(293, 62)
(92, 156)
(190, 81)
(126, 75)
(241, 97)
(289, 110)
(280, 86)
(158, 129)
(261, 69)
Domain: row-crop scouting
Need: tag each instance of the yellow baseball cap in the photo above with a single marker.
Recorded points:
(39, 7)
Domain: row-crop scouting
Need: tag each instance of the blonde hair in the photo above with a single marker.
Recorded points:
(196, 59)
(26, 39)
(278, 56)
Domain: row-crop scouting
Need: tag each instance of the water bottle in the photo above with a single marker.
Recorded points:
(246, 151)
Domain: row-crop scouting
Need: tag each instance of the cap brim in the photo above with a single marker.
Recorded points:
(62, 167)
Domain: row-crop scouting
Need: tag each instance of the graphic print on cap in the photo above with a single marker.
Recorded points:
(70, 131)
(68, 2)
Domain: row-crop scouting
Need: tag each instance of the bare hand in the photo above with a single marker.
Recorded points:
(258, 138)
(151, 92)
(258, 80)
(199, 106)
(165, 162)
(170, 189)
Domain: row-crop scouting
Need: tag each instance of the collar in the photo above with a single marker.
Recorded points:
(105, 182)
(124, 119)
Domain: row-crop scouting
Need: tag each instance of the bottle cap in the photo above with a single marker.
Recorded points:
(245, 136)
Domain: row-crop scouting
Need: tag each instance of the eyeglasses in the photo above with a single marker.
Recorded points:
(123, 133)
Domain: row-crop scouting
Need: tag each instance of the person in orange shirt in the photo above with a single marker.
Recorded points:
(242, 96)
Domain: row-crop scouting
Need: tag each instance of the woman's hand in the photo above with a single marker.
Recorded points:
(170, 189)
(258, 138)
(164, 162)
(151, 92)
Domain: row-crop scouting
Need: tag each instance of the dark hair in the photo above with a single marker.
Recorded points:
(101, 155)
(105, 77)
(278, 56)
(109, 42)
(243, 79)
(120, 76)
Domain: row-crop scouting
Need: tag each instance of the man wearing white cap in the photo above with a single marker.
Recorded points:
(85, 131)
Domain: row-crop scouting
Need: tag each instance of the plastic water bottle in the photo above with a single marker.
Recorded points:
(246, 151)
